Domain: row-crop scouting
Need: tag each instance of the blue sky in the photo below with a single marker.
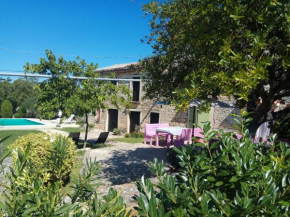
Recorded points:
(110, 28)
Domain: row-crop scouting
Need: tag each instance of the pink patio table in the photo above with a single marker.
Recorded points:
(173, 131)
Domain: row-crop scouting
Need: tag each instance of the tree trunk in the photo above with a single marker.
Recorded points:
(87, 129)
(260, 116)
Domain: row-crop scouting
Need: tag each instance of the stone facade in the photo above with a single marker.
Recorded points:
(221, 110)
(219, 114)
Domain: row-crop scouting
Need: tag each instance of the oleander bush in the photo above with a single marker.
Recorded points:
(230, 177)
(27, 195)
(53, 156)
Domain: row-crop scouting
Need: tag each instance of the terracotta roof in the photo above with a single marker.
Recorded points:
(117, 67)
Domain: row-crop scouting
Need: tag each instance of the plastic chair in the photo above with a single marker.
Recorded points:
(197, 133)
(185, 137)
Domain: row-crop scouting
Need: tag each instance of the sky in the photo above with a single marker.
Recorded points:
(106, 32)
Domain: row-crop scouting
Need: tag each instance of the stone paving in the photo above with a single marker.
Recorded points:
(123, 164)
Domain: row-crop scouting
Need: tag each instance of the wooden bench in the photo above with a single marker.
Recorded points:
(150, 131)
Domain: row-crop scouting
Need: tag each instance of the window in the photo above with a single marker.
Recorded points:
(136, 90)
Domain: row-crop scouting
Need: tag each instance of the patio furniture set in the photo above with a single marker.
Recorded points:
(183, 135)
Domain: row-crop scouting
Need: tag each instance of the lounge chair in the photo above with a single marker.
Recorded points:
(102, 139)
(70, 120)
(57, 121)
(75, 136)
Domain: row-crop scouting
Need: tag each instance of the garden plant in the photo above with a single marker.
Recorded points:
(228, 177)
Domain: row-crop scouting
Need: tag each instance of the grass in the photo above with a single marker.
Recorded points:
(7, 137)
(71, 129)
(75, 170)
(129, 140)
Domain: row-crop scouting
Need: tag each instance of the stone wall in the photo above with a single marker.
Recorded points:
(221, 111)
(167, 113)
(219, 114)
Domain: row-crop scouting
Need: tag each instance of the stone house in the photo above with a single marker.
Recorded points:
(145, 111)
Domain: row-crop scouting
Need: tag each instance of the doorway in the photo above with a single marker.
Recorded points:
(197, 118)
(112, 119)
(134, 120)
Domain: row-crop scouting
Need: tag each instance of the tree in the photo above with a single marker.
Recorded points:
(21, 90)
(204, 49)
(6, 109)
(82, 96)
(5, 89)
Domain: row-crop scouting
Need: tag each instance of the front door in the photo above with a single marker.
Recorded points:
(201, 118)
(134, 120)
(113, 119)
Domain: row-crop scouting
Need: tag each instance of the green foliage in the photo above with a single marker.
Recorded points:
(129, 140)
(227, 178)
(36, 198)
(51, 156)
(17, 92)
(136, 135)
(282, 128)
(8, 137)
(6, 109)
(116, 131)
(21, 113)
(29, 105)
(22, 90)
(78, 96)
(206, 48)
(71, 129)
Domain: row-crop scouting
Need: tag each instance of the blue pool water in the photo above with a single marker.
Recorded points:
(17, 122)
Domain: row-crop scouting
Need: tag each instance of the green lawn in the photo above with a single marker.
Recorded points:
(129, 140)
(71, 129)
(7, 137)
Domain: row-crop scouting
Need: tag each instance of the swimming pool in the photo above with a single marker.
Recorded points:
(17, 122)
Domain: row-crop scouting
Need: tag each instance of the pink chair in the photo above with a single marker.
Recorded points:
(186, 135)
(197, 133)
(150, 132)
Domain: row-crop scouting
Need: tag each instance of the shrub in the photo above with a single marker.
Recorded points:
(116, 131)
(6, 109)
(33, 197)
(137, 135)
(227, 178)
(127, 135)
(21, 113)
(52, 156)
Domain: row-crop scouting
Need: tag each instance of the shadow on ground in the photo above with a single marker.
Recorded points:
(126, 166)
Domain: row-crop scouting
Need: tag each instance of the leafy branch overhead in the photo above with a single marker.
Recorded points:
(205, 49)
